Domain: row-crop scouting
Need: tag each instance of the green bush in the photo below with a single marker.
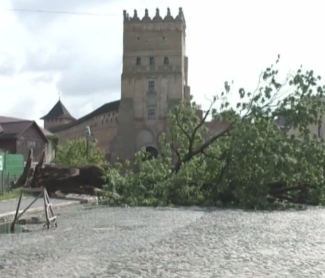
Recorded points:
(74, 153)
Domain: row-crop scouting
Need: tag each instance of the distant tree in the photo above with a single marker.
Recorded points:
(75, 153)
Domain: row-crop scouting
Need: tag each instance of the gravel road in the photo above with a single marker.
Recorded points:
(183, 242)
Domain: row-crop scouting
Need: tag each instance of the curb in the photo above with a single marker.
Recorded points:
(5, 216)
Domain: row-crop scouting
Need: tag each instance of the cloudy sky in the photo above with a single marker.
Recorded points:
(80, 56)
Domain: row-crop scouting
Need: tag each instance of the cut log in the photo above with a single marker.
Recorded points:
(78, 180)
(37, 172)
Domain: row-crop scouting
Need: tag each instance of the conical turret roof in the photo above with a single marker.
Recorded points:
(58, 111)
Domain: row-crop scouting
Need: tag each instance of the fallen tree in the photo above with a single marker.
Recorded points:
(251, 161)
(69, 179)
(247, 161)
(79, 180)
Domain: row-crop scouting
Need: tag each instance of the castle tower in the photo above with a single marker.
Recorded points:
(58, 115)
(154, 79)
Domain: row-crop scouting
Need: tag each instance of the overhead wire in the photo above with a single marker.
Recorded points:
(60, 12)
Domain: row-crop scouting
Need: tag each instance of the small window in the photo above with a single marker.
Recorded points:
(320, 131)
(151, 113)
(166, 61)
(138, 61)
(152, 61)
(151, 86)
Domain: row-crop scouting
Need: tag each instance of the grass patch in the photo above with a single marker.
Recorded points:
(14, 194)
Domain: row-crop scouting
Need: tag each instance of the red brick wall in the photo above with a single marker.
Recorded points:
(103, 128)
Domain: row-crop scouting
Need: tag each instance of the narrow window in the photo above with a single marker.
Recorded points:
(138, 61)
(166, 61)
(151, 113)
(151, 86)
(320, 131)
(152, 61)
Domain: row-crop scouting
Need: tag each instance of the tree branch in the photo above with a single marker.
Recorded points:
(192, 138)
(201, 149)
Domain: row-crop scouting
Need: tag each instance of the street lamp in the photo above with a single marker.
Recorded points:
(88, 135)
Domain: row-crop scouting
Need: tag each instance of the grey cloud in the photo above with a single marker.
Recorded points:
(8, 66)
(7, 70)
(57, 5)
(42, 59)
(19, 109)
(83, 56)
(44, 78)
(40, 20)
(89, 77)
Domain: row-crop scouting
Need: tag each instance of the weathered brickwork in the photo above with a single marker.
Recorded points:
(154, 78)
(103, 128)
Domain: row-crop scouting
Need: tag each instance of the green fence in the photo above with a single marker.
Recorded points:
(11, 167)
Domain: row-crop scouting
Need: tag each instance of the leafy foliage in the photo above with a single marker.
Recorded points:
(74, 153)
(54, 139)
(249, 162)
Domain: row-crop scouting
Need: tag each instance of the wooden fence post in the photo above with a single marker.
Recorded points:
(8, 177)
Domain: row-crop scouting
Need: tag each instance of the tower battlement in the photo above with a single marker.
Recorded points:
(157, 18)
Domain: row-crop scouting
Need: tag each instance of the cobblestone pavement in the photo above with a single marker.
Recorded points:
(188, 242)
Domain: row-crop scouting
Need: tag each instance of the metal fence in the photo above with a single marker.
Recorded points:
(6, 179)
(11, 167)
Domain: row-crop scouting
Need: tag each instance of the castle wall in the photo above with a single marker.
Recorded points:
(50, 123)
(103, 127)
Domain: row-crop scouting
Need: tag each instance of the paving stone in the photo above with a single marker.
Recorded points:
(180, 242)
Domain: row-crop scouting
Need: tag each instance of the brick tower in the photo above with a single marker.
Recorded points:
(154, 79)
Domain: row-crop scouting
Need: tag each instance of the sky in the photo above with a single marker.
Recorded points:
(79, 57)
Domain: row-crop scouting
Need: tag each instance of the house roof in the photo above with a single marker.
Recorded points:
(4, 119)
(58, 111)
(108, 107)
(45, 131)
(12, 130)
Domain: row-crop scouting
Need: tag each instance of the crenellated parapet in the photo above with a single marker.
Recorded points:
(157, 18)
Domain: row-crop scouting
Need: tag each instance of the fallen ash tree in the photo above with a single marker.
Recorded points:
(263, 149)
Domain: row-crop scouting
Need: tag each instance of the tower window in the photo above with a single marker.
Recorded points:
(166, 61)
(151, 113)
(320, 131)
(152, 61)
(151, 86)
(138, 61)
